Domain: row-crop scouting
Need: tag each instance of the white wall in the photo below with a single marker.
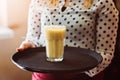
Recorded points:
(3, 13)
(17, 19)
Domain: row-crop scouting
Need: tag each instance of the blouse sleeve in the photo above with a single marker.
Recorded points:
(106, 32)
(34, 23)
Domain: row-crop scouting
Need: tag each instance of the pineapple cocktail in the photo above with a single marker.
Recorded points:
(55, 36)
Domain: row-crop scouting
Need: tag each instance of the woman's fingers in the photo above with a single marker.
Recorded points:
(19, 49)
(25, 45)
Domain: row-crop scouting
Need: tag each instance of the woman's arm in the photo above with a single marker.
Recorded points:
(106, 33)
(34, 23)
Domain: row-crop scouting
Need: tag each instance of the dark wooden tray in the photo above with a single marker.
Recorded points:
(75, 59)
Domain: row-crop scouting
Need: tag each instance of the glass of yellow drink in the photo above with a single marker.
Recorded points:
(55, 37)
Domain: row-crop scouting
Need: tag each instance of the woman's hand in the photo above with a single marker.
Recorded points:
(25, 45)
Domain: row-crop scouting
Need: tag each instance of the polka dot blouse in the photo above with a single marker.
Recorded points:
(94, 28)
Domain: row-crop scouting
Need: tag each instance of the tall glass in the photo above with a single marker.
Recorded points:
(55, 37)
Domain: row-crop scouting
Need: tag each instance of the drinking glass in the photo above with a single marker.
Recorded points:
(54, 38)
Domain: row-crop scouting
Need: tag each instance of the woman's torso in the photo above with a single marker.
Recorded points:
(79, 21)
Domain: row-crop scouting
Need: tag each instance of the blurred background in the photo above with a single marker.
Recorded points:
(13, 26)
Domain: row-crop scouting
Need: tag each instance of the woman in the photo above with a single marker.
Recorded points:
(91, 24)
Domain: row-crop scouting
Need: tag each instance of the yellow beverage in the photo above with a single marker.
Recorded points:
(55, 36)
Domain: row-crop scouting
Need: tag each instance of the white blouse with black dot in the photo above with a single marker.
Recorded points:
(94, 28)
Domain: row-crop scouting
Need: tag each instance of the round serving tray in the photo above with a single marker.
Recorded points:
(75, 59)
